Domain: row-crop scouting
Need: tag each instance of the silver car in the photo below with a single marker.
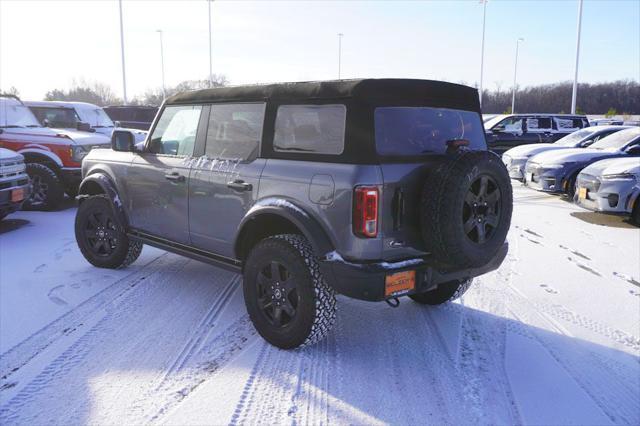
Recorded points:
(516, 158)
(611, 186)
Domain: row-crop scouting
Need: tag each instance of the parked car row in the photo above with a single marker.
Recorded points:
(52, 138)
(599, 168)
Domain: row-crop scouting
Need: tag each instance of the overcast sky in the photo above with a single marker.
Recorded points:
(47, 44)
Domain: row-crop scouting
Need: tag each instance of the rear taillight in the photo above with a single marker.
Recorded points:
(365, 211)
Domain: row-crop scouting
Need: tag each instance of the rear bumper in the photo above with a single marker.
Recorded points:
(366, 281)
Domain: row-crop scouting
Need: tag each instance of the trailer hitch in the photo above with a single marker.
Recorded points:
(394, 302)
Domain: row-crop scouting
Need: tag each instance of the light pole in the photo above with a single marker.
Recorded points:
(164, 93)
(124, 77)
(515, 74)
(574, 94)
(484, 18)
(210, 48)
(339, 53)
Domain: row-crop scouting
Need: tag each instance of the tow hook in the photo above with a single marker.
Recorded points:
(394, 302)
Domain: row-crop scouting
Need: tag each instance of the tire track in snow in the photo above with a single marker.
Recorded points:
(23, 352)
(107, 311)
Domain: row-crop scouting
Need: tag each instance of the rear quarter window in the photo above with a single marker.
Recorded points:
(317, 129)
(406, 131)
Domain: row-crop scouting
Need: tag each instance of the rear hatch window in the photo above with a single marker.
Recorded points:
(410, 131)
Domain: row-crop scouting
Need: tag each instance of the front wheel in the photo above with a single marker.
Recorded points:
(47, 191)
(287, 299)
(445, 292)
(101, 239)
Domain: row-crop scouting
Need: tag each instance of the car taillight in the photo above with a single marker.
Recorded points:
(365, 211)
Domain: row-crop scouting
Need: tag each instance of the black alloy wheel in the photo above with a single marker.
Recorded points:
(100, 233)
(481, 210)
(277, 294)
(39, 190)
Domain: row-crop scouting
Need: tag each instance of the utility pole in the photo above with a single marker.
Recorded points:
(574, 94)
(210, 48)
(515, 74)
(164, 93)
(339, 54)
(484, 18)
(124, 77)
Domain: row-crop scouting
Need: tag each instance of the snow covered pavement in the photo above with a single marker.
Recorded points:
(553, 337)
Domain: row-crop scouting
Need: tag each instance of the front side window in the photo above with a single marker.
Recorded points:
(175, 133)
(510, 125)
(408, 131)
(235, 131)
(96, 117)
(317, 129)
(56, 117)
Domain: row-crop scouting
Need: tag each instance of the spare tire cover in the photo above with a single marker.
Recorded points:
(466, 206)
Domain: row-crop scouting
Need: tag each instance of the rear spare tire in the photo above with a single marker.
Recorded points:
(466, 207)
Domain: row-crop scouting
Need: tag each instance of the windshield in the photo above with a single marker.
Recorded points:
(96, 117)
(16, 115)
(572, 139)
(57, 117)
(488, 124)
(406, 131)
(618, 140)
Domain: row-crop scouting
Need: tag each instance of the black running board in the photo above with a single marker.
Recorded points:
(227, 263)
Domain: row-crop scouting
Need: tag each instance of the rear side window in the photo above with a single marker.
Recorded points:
(315, 129)
(235, 131)
(538, 124)
(405, 131)
(569, 124)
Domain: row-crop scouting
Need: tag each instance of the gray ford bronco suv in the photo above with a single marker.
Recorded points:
(373, 189)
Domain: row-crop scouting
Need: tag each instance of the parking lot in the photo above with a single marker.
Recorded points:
(168, 339)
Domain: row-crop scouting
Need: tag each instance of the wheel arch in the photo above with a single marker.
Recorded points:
(275, 216)
(100, 183)
(32, 155)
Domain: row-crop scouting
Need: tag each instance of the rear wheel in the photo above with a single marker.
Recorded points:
(101, 238)
(445, 292)
(47, 191)
(287, 299)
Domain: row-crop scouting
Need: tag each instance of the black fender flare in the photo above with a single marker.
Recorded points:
(307, 224)
(109, 189)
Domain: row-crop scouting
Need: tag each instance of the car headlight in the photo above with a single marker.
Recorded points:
(78, 152)
(627, 177)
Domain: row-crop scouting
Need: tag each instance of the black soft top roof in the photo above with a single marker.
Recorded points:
(367, 90)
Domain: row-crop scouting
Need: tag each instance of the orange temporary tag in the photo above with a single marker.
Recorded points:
(399, 283)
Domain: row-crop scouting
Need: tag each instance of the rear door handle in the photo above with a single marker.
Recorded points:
(174, 177)
(239, 185)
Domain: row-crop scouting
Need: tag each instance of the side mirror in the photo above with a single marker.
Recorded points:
(117, 124)
(83, 126)
(633, 150)
(45, 122)
(123, 141)
(498, 129)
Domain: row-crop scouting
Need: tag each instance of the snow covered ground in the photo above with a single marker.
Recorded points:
(551, 338)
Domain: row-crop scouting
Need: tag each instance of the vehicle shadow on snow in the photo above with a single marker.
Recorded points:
(613, 221)
(410, 365)
(8, 225)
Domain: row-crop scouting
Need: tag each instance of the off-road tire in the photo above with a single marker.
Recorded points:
(124, 251)
(315, 312)
(445, 209)
(445, 292)
(40, 198)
